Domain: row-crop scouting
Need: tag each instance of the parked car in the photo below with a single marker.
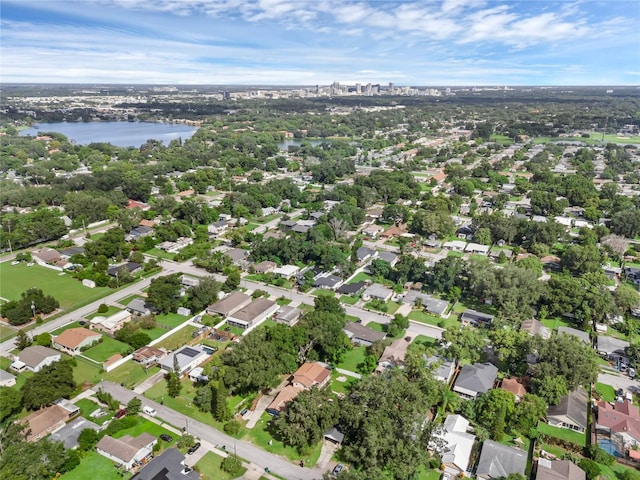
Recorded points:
(15, 262)
(632, 372)
(195, 447)
(149, 411)
(243, 411)
(121, 413)
(166, 438)
(338, 468)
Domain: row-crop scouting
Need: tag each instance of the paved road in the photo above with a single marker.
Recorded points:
(246, 450)
(620, 381)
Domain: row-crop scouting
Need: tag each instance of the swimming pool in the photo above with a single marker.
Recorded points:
(610, 447)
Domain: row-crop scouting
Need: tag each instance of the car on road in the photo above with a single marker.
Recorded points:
(619, 392)
(338, 468)
(195, 447)
(632, 372)
(165, 438)
(149, 411)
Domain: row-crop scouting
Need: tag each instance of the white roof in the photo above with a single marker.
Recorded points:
(458, 443)
(111, 321)
(286, 270)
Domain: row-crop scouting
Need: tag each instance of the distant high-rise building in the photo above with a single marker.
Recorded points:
(390, 87)
(358, 88)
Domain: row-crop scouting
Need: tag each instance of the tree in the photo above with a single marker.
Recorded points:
(329, 304)
(88, 439)
(204, 398)
(579, 259)
(492, 410)
(44, 339)
(203, 294)
(482, 236)
(464, 344)
(232, 465)
(233, 280)
(10, 402)
(134, 406)
(219, 407)
(591, 468)
(380, 268)
(438, 223)
(626, 298)
(306, 418)
(529, 411)
(174, 385)
(164, 293)
(22, 340)
(550, 389)
(51, 383)
(42, 460)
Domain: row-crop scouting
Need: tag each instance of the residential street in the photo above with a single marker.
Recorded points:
(620, 381)
(278, 465)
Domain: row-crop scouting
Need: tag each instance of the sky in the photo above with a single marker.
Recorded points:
(317, 42)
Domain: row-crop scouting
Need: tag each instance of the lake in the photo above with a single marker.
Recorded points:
(121, 134)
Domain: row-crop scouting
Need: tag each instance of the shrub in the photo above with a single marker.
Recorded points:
(591, 468)
(103, 308)
(598, 455)
(232, 427)
(232, 465)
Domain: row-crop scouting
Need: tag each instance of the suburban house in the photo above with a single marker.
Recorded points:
(512, 385)
(253, 314)
(264, 267)
(328, 282)
(287, 271)
(229, 304)
(73, 340)
(167, 466)
(307, 376)
(475, 379)
(288, 315)
(49, 419)
(110, 324)
(387, 256)
(362, 335)
(430, 304)
(334, 435)
(238, 256)
(377, 292)
(393, 355)
(67, 253)
(311, 375)
(612, 348)
(443, 369)
(7, 379)
(46, 256)
(498, 460)
(139, 306)
(579, 334)
(558, 470)
(351, 288)
(394, 231)
(475, 318)
(535, 327)
(571, 413)
(365, 253)
(621, 420)
(372, 231)
(455, 245)
(476, 248)
(148, 356)
(457, 445)
(188, 357)
(130, 452)
(35, 358)
(128, 267)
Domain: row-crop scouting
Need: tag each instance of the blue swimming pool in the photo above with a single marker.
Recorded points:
(609, 447)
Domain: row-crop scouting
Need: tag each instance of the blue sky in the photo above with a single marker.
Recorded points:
(308, 42)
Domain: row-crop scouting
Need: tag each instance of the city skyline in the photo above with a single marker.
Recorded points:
(279, 42)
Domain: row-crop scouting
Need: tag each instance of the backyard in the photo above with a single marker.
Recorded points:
(94, 465)
(353, 358)
(563, 434)
(130, 374)
(209, 468)
(106, 349)
(178, 339)
(71, 294)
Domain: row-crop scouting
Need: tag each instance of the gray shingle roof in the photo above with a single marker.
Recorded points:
(497, 460)
(478, 377)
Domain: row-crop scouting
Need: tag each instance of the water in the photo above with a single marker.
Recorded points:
(121, 134)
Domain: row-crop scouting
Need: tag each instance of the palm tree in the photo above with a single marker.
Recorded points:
(449, 401)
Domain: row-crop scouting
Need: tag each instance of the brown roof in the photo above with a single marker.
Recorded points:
(230, 303)
(310, 374)
(72, 337)
(283, 397)
(535, 327)
(45, 418)
(254, 309)
(47, 255)
(393, 232)
(147, 352)
(622, 417)
(117, 448)
(512, 385)
(147, 223)
(32, 356)
(264, 266)
(559, 470)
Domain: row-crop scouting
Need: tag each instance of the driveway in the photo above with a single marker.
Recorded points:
(278, 465)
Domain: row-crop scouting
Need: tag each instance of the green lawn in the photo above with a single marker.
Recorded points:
(171, 320)
(352, 358)
(178, 339)
(15, 279)
(563, 434)
(6, 332)
(87, 407)
(338, 386)
(94, 465)
(106, 349)
(5, 363)
(146, 426)
(130, 374)
(424, 317)
(349, 300)
(607, 392)
(454, 253)
(554, 323)
(156, 252)
(86, 372)
(126, 300)
(209, 467)
(260, 436)
(376, 326)
(111, 310)
(361, 277)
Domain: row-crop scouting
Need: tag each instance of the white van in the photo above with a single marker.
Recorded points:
(149, 411)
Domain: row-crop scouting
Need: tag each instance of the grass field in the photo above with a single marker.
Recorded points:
(106, 349)
(111, 311)
(338, 386)
(131, 374)
(607, 392)
(87, 407)
(145, 426)
(15, 279)
(94, 465)
(361, 277)
(352, 358)
(424, 317)
(178, 339)
(86, 372)
(6, 332)
(594, 139)
(156, 252)
(209, 467)
(171, 320)
(349, 300)
(563, 434)
(554, 323)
